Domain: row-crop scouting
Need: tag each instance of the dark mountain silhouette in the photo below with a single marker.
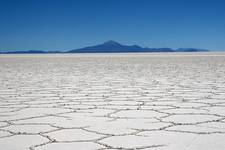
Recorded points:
(115, 47)
(110, 47)
(24, 52)
(30, 52)
(191, 50)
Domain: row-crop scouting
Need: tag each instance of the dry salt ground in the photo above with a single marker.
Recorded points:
(158, 101)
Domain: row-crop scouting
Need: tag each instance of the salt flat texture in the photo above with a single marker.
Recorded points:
(158, 101)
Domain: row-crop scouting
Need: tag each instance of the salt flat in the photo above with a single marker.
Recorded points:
(155, 101)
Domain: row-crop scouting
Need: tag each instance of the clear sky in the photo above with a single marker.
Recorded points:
(71, 24)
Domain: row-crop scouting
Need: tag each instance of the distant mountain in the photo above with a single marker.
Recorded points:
(30, 52)
(191, 50)
(25, 52)
(110, 47)
(115, 47)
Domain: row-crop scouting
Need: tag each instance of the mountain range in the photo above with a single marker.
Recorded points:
(111, 47)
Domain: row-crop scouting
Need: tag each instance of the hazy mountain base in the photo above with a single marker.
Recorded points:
(111, 47)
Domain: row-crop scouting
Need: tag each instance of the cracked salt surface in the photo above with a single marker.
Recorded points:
(27, 128)
(71, 146)
(74, 135)
(112, 101)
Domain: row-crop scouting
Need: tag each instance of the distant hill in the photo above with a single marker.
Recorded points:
(191, 50)
(115, 47)
(110, 47)
(25, 52)
(30, 52)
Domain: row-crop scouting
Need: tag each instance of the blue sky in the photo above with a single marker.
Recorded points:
(71, 24)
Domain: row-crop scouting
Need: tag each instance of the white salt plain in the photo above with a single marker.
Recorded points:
(149, 101)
